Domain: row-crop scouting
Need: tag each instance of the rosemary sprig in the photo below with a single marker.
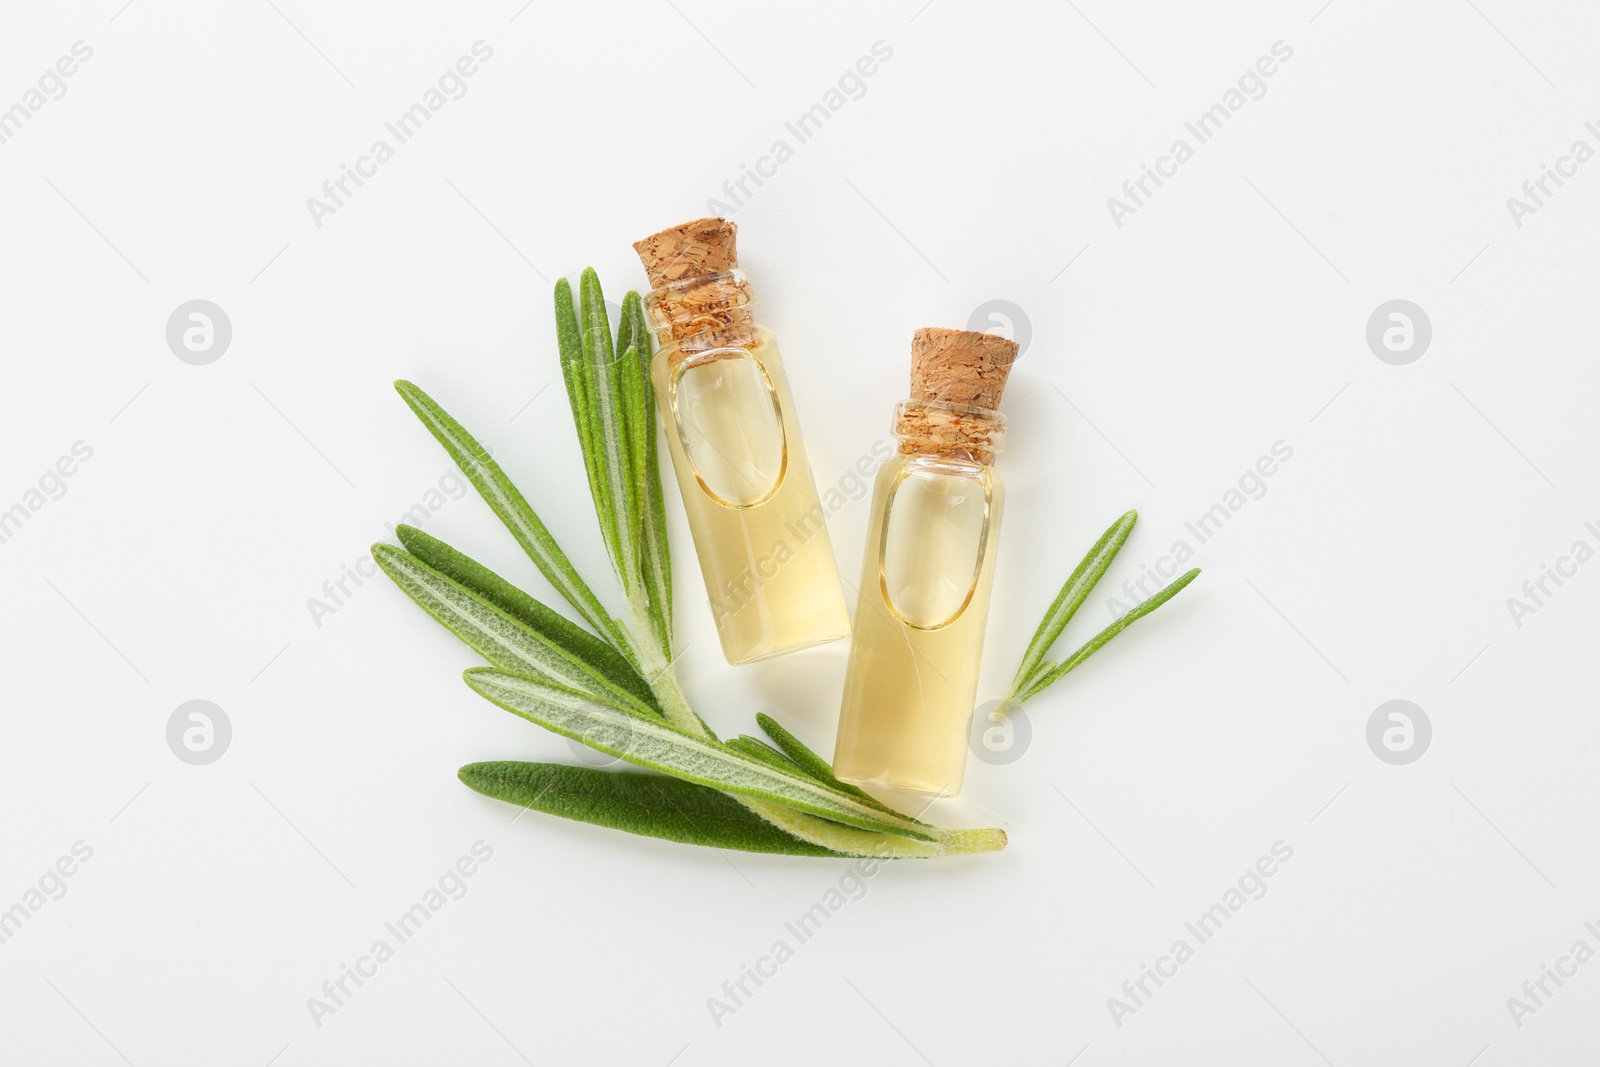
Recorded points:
(1035, 674)
(611, 686)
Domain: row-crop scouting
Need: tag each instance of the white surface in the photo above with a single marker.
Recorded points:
(1224, 316)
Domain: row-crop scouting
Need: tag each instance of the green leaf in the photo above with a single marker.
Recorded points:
(536, 616)
(1051, 673)
(637, 415)
(650, 529)
(658, 746)
(1071, 598)
(756, 748)
(497, 636)
(617, 506)
(854, 842)
(574, 372)
(633, 332)
(635, 399)
(813, 764)
(508, 503)
(848, 840)
(651, 805)
(657, 559)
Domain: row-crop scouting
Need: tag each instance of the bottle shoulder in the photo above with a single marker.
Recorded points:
(764, 346)
(910, 464)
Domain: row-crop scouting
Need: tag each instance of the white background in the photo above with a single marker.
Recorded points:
(1227, 314)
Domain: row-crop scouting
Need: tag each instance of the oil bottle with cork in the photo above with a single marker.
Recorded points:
(759, 529)
(929, 566)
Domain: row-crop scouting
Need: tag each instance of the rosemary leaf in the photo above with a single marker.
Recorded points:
(811, 763)
(606, 512)
(1053, 673)
(656, 558)
(617, 506)
(1071, 598)
(497, 636)
(813, 766)
(756, 748)
(637, 416)
(509, 504)
(658, 746)
(651, 805)
(536, 616)
(854, 842)
(635, 398)
(795, 749)
(569, 339)
(846, 839)
(655, 576)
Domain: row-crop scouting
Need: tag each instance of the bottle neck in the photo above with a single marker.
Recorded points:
(957, 433)
(702, 313)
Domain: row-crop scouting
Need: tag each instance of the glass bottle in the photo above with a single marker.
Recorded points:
(759, 528)
(929, 566)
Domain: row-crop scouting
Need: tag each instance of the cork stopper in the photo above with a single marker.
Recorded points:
(960, 366)
(700, 301)
(952, 370)
(689, 250)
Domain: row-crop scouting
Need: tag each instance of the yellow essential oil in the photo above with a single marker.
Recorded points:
(759, 528)
(928, 570)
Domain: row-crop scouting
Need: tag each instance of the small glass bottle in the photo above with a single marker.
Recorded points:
(759, 528)
(924, 598)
